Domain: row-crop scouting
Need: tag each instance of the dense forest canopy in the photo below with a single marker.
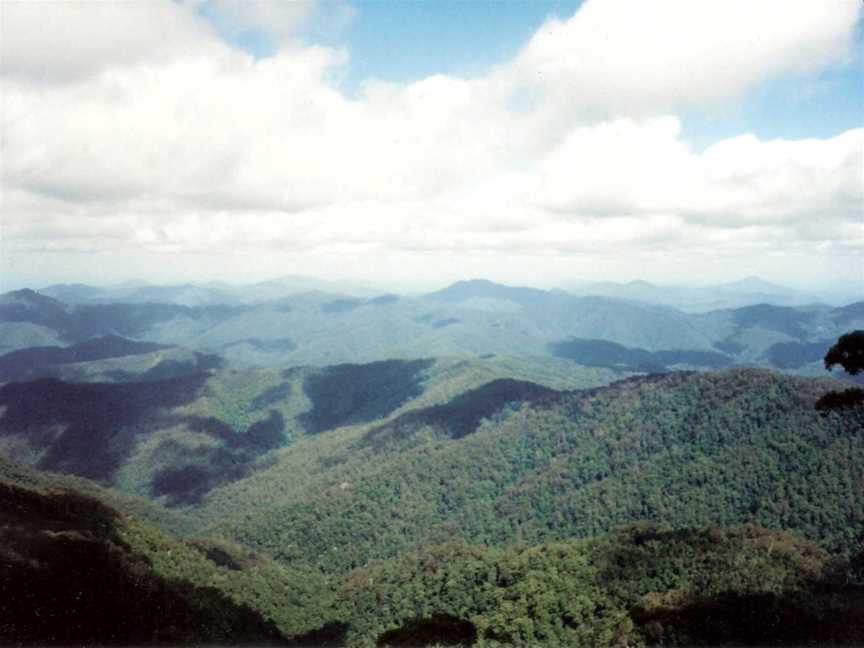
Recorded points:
(590, 491)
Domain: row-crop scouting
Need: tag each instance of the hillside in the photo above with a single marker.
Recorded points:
(491, 502)
(74, 572)
(639, 585)
(107, 358)
(682, 448)
(174, 439)
(472, 318)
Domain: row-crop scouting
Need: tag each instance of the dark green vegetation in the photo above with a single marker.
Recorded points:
(176, 439)
(639, 585)
(94, 430)
(70, 576)
(461, 416)
(87, 429)
(347, 394)
(683, 448)
(452, 520)
(506, 494)
(73, 571)
(848, 352)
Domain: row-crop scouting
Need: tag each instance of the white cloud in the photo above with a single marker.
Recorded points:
(135, 119)
(68, 41)
(633, 167)
(279, 18)
(616, 57)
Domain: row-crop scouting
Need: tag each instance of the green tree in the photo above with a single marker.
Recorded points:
(848, 352)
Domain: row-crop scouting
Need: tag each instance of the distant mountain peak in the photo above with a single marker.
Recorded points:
(479, 282)
(23, 293)
(28, 296)
(640, 283)
(486, 289)
(752, 283)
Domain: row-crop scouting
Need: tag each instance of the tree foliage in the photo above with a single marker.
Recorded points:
(848, 352)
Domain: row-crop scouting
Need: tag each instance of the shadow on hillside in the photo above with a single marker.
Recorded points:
(462, 415)
(194, 471)
(823, 615)
(68, 579)
(438, 630)
(358, 393)
(89, 429)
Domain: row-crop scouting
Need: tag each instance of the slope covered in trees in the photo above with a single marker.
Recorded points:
(685, 448)
(70, 575)
(468, 318)
(639, 585)
(436, 503)
(175, 439)
(108, 358)
(74, 571)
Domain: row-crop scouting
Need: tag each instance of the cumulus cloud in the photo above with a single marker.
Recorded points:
(53, 42)
(140, 120)
(616, 57)
(629, 167)
(279, 18)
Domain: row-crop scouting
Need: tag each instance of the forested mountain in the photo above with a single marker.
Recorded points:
(639, 585)
(505, 466)
(75, 571)
(174, 438)
(108, 358)
(319, 459)
(686, 449)
(467, 318)
(27, 313)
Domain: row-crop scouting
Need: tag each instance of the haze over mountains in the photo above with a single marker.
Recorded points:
(281, 323)
(744, 292)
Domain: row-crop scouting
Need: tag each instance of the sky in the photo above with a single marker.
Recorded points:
(408, 144)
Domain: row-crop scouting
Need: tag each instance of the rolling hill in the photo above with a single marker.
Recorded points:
(638, 585)
(492, 500)
(76, 571)
(107, 358)
(469, 318)
(686, 449)
(175, 438)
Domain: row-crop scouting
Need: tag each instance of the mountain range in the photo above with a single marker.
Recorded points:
(481, 465)
(468, 318)
(744, 292)
(424, 504)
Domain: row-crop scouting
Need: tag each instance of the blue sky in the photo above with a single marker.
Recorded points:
(406, 40)
(531, 142)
